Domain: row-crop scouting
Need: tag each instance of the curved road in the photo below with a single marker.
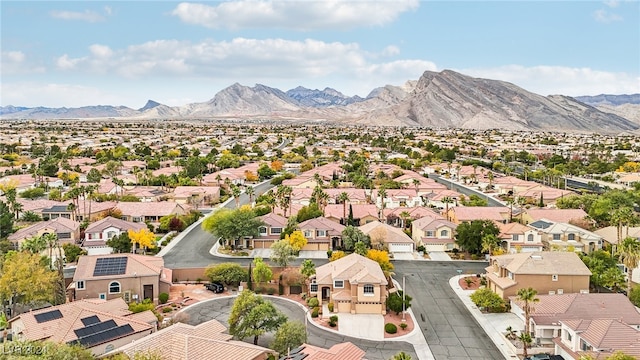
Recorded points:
(219, 309)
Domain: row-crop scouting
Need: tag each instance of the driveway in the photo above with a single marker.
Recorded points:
(439, 256)
(366, 326)
(263, 253)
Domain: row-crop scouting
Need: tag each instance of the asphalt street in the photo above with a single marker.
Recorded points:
(220, 308)
(450, 330)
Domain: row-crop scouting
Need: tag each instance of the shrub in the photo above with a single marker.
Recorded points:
(313, 302)
(259, 290)
(163, 297)
(314, 312)
(390, 328)
(487, 299)
(167, 309)
(333, 320)
(403, 326)
(421, 248)
(330, 306)
(634, 295)
(271, 291)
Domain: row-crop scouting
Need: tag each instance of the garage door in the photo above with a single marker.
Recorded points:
(401, 247)
(434, 247)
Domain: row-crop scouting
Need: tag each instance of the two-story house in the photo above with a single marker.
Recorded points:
(97, 234)
(270, 232)
(67, 231)
(354, 283)
(596, 339)
(435, 234)
(547, 271)
(516, 237)
(132, 277)
(321, 234)
(386, 236)
(460, 214)
(563, 236)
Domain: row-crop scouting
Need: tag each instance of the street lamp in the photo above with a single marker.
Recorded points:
(403, 297)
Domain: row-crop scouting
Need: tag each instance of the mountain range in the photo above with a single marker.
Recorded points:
(445, 99)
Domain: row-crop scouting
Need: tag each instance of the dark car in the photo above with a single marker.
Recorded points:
(539, 357)
(215, 287)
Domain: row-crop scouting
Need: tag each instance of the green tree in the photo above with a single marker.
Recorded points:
(233, 224)
(619, 355)
(396, 300)
(352, 235)
(307, 268)
(289, 336)
(228, 273)
(634, 295)
(401, 356)
(469, 235)
(252, 315)
(25, 279)
(94, 176)
(308, 212)
(6, 221)
(489, 243)
(120, 244)
(487, 299)
(282, 253)
(261, 271)
(528, 297)
(72, 252)
(629, 255)
(361, 248)
(600, 262)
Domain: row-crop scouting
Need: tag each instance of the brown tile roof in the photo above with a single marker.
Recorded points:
(187, 342)
(274, 220)
(137, 265)
(352, 268)
(385, 233)
(416, 212)
(359, 210)
(552, 308)
(322, 223)
(470, 213)
(57, 225)
(343, 351)
(556, 215)
(607, 335)
(62, 329)
(160, 208)
(543, 262)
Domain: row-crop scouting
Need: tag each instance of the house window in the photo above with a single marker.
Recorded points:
(368, 290)
(530, 237)
(111, 234)
(321, 233)
(554, 277)
(571, 237)
(514, 237)
(276, 230)
(136, 219)
(114, 287)
(429, 233)
(444, 233)
(338, 284)
(80, 285)
(568, 336)
(307, 233)
(313, 287)
(262, 230)
(64, 235)
(102, 296)
(556, 236)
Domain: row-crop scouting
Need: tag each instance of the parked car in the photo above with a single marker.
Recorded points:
(215, 287)
(539, 357)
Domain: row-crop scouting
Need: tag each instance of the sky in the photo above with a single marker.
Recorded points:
(81, 53)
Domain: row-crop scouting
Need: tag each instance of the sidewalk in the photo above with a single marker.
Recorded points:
(493, 324)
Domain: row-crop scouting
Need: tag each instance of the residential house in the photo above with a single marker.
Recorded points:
(556, 215)
(439, 198)
(548, 195)
(354, 284)
(146, 193)
(150, 212)
(300, 182)
(550, 309)
(196, 195)
(516, 237)
(596, 339)
(97, 234)
(132, 277)
(67, 231)
(78, 323)
(563, 236)
(434, 233)
(321, 234)
(460, 214)
(342, 351)
(270, 232)
(398, 198)
(362, 214)
(386, 236)
(547, 271)
(395, 216)
(207, 340)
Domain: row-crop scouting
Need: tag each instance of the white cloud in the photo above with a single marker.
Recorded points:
(17, 62)
(612, 3)
(560, 80)
(296, 15)
(87, 15)
(604, 16)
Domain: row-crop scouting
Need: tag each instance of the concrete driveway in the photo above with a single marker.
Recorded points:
(365, 326)
(263, 253)
(439, 256)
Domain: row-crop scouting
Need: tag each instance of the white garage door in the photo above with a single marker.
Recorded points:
(401, 247)
(434, 247)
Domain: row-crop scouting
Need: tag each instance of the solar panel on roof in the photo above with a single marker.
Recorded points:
(296, 350)
(48, 316)
(110, 266)
(105, 336)
(90, 320)
(95, 328)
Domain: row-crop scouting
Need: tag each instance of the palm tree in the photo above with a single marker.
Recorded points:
(404, 216)
(236, 192)
(528, 296)
(51, 239)
(283, 194)
(251, 192)
(343, 198)
(629, 255)
(382, 193)
(447, 200)
(490, 178)
(416, 183)
(318, 179)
